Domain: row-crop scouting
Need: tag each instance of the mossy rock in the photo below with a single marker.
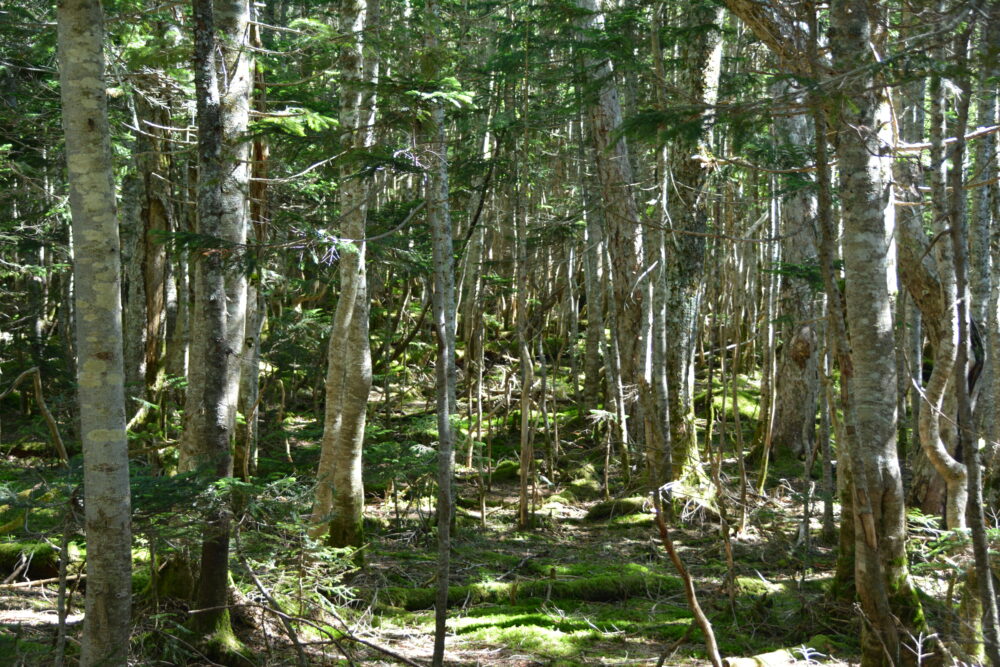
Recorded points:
(605, 588)
(175, 579)
(44, 558)
(584, 489)
(506, 471)
(472, 503)
(757, 586)
(607, 509)
(584, 484)
(557, 500)
(376, 524)
(626, 521)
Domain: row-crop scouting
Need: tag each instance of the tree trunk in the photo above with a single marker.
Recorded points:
(247, 432)
(621, 216)
(439, 219)
(942, 384)
(687, 214)
(148, 211)
(593, 250)
(883, 585)
(981, 618)
(339, 500)
(223, 94)
(989, 114)
(797, 381)
(96, 272)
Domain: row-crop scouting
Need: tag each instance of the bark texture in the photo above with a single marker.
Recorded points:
(439, 219)
(687, 211)
(147, 211)
(883, 584)
(223, 82)
(614, 175)
(797, 381)
(339, 500)
(100, 374)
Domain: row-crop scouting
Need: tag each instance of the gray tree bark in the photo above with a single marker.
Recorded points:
(100, 374)
(247, 432)
(883, 584)
(223, 83)
(439, 219)
(339, 501)
(621, 216)
(687, 210)
(797, 381)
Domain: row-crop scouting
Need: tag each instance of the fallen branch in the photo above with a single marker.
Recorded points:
(692, 598)
(38, 582)
(348, 634)
(277, 610)
(50, 421)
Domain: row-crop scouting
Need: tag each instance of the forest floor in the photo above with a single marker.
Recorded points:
(588, 584)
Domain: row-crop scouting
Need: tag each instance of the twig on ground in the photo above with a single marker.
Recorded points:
(692, 598)
(276, 609)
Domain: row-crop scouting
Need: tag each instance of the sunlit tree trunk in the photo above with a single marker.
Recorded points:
(988, 204)
(928, 271)
(339, 500)
(223, 82)
(942, 387)
(100, 375)
(797, 381)
(656, 413)
(883, 585)
(439, 219)
(247, 430)
(621, 216)
(687, 215)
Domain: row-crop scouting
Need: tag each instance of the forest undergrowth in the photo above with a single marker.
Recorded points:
(589, 583)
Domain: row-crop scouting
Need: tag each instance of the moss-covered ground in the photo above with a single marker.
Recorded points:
(588, 583)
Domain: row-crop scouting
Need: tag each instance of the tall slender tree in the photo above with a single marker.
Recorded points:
(100, 374)
(223, 83)
(339, 502)
(883, 583)
(439, 220)
(687, 217)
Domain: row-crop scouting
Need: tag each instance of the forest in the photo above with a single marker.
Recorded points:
(499, 332)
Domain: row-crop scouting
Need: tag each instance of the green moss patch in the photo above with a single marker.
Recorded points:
(643, 520)
(584, 485)
(603, 588)
(617, 507)
(546, 642)
(44, 561)
(565, 628)
(506, 471)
